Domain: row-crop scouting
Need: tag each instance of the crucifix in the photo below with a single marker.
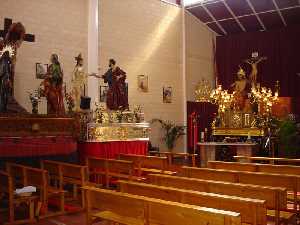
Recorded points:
(13, 35)
(7, 24)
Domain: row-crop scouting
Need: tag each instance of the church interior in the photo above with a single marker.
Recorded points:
(140, 112)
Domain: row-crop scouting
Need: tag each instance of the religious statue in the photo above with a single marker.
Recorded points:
(53, 87)
(240, 87)
(8, 50)
(116, 95)
(5, 83)
(254, 61)
(79, 79)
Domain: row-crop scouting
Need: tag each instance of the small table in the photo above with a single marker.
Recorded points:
(208, 150)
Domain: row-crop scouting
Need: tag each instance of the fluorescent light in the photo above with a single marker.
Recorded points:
(193, 2)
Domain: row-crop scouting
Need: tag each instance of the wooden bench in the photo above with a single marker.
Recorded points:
(28, 176)
(267, 159)
(7, 189)
(290, 182)
(275, 197)
(148, 164)
(130, 209)
(256, 167)
(66, 173)
(110, 168)
(175, 155)
(252, 211)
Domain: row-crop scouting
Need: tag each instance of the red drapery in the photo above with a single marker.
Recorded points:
(281, 47)
(111, 149)
(37, 146)
(203, 114)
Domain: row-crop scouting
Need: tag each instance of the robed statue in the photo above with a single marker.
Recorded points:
(115, 77)
(79, 80)
(8, 52)
(53, 87)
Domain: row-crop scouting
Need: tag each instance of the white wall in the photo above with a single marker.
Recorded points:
(145, 38)
(199, 54)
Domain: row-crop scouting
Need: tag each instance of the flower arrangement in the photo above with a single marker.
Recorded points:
(171, 132)
(70, 101)
(137, 112)
(35, 97)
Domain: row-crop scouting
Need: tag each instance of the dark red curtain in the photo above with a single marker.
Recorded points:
(281, 47)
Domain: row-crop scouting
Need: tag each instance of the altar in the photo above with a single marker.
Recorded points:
(208, 150)
(108, 140)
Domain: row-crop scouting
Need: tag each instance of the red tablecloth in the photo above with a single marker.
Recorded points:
(37, 146)
(111, 149)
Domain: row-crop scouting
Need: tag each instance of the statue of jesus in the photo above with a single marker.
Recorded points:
(254, 61)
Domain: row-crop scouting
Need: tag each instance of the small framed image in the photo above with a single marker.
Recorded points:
(167, 94)
(103, 93)
(41, 70)
(143, 83)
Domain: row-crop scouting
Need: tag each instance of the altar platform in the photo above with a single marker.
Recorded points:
(28, 137)
(208, 150)
(108, 140)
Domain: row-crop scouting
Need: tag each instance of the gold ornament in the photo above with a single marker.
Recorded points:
(203, 90)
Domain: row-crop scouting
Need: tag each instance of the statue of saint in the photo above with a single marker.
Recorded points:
(79, 79)
(240, 87)
(53, 87)
(12, 41)
(116, 95)
(254, 61)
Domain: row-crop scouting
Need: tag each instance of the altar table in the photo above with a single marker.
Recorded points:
(111, 149)
(208, 150)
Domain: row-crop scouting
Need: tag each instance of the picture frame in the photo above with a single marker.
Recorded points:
(41, 70)
(143, 83)
(103, 93)
(167, 94)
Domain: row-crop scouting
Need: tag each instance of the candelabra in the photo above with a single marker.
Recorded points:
(264, 98)
(221, 98)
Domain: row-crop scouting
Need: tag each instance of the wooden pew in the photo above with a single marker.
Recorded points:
(110, 168)
(67, 173)
(275, 197)
(252, 211)
(173, 155)
(256, 167)
(29, 176)
(290, 182)
(7, 188)
(130, 209)
(267, 159)
(148, 164)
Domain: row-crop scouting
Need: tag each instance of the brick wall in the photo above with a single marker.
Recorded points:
(59, 27)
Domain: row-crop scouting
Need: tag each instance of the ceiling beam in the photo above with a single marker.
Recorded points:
(279, 12)
(254, 11)
(214, 19)
(234, 16)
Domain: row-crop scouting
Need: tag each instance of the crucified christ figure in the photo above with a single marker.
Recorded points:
(254, 61)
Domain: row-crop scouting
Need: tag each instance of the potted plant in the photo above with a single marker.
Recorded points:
(171, 132)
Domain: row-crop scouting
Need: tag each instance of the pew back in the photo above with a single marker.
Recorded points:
(252, 211)
(275, 197)
(144, 210)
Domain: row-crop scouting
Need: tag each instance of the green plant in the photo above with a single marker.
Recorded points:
(171, 132)
(288, 137)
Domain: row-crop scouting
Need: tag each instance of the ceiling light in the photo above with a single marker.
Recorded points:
(193, 2)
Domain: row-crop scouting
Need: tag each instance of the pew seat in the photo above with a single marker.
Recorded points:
(116, 218)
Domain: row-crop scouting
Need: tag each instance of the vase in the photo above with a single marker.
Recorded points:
(35, 108)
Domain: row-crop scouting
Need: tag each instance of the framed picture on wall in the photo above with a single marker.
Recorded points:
(41, 70)
(167, 94)
(143, 83)
(103, 93)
